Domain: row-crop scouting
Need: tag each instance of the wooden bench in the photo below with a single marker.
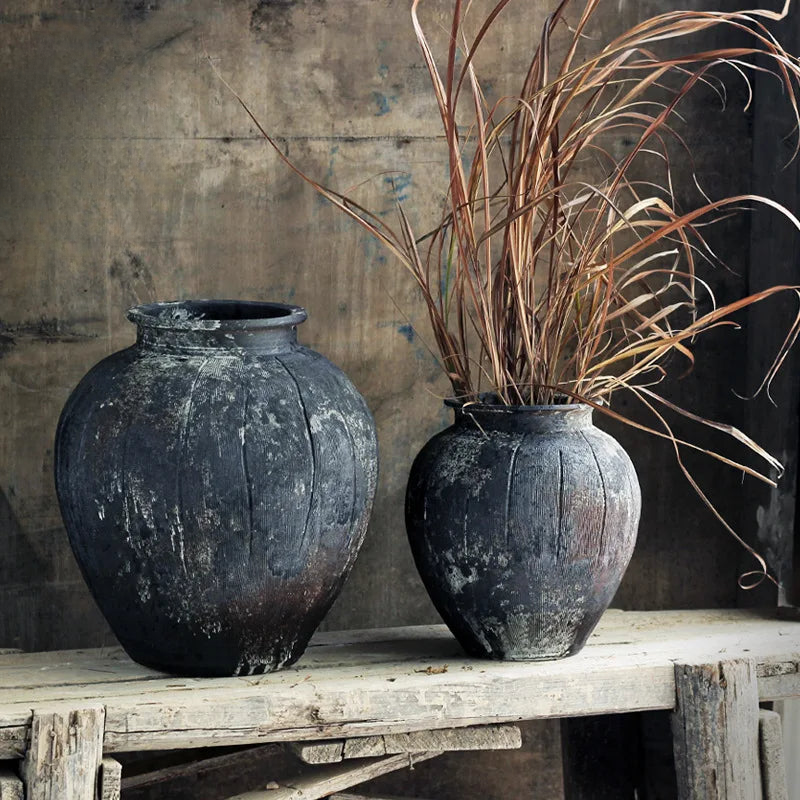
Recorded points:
(367, 702)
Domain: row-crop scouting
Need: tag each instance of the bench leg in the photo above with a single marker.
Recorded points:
(63, 759)
(715, 731)
(773, 767)
(110, 783)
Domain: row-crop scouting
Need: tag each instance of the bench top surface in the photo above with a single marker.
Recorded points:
(359, 683)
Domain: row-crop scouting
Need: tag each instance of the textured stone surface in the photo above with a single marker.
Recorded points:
(216, 483)
(522, 523)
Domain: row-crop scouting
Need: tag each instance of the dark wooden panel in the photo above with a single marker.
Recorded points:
(775, 259)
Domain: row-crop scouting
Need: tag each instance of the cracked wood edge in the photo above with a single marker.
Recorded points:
(319, 752)
(481, 737)
(63, 760)
(625, 669)
(715, 731)
(144, 728)
(324, 781)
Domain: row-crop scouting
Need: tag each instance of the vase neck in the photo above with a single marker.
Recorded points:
(193, 325)
(522, 419)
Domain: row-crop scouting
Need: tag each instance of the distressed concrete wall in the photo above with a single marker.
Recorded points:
(130, 174)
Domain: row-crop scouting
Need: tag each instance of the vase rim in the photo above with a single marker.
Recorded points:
(503, 408)
(216, 315)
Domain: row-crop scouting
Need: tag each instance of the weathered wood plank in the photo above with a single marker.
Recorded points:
(110, 780)
(629, 668)
(65, 752)
(779, 687)
(10, 783)
(393, 645)
(771, 756)
(319, 752)
(365, 747)
(482, 737)
(326, 780)
(354, 706)
(715, 731)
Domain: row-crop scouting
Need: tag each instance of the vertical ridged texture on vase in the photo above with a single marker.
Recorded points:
(215, 481)
(522, 521)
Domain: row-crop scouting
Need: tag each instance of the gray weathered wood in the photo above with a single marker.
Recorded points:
(326, 780)
(10, 783)
(715, 731)
(63, 760)
(319, 752)
(110, 787)
(368, 684)
(482, 737)
(773, 766)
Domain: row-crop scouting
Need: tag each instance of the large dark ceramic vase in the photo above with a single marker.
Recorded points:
(522, 521)
(215, 480)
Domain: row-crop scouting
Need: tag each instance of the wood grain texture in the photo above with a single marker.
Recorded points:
(715, 731)
(110, 780)
(533, 771)
(323, 781)
(398, 681)
(64, 755)
(319, 752)
(484, 737)
(771, 756)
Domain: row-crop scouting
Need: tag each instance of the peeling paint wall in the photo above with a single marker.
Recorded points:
(130, 174)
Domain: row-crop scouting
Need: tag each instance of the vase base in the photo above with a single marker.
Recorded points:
(537, 655)
(200, 668)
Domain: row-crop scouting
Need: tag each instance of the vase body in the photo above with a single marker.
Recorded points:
(215, 480)
(522, 521)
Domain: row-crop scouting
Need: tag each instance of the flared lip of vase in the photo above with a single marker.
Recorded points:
(485, 406)
(487, 416)
(216, 315)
